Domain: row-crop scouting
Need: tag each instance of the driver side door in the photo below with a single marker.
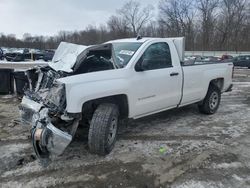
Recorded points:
(156, 83)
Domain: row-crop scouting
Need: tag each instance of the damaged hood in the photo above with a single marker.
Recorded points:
(66, 56)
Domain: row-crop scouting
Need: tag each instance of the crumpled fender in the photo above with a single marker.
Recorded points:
(47, 139)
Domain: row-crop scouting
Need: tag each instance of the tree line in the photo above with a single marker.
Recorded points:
(206, 24)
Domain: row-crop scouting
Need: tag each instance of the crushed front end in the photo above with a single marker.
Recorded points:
(43, 108)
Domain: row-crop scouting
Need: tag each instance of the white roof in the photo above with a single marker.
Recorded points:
(143, 39)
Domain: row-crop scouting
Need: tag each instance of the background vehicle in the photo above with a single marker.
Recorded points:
(48, 55)
(226, 57)
(24, 54)
(210, 59)
(197, 59)
(1, 54)
(15, 55)
(242, 61)
(104, 84)
(35, 54)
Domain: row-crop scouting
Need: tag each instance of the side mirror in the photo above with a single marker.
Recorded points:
(138, 66)
(141, 65)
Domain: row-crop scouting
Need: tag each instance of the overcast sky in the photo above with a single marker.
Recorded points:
(47, 17)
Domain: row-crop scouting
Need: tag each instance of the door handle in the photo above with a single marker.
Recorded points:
(174, 74)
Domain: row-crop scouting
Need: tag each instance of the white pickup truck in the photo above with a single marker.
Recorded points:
(97, 86)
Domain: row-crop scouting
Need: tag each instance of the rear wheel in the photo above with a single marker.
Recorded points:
(103, 129)
(212, 100)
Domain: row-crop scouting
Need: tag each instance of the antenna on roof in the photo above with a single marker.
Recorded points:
(139, 37)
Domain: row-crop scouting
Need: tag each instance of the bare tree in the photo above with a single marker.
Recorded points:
(177, 19)
(136, 15)
(232, 22)
(206, 24)
(118, 26)
(151, 30)
(207, 10)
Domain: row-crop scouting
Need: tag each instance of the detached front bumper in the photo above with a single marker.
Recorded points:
(46, 138)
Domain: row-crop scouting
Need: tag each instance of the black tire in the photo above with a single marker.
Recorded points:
(100, 140)
(212, 100)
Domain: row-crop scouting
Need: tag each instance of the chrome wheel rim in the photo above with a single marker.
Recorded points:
(213, 101)
(112, 131)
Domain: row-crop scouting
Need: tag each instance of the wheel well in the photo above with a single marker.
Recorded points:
(121, 101)
(219, 82)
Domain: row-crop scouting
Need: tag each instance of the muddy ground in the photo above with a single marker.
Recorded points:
(178, 148)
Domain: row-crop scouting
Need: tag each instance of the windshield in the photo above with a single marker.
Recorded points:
(124, 51)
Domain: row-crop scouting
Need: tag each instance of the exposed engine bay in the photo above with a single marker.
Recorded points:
(44, 103)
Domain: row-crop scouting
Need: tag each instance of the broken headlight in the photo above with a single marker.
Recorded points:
(56, 99)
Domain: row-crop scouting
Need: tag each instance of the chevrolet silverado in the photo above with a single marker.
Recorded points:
(100, 85)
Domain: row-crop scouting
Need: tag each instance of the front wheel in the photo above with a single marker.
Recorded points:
(212, 100)
(103, 129)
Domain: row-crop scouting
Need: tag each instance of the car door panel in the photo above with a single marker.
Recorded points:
(158, 88)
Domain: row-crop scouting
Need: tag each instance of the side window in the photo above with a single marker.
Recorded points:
(157, 56)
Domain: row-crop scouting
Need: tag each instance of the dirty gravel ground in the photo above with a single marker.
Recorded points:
(178, 148)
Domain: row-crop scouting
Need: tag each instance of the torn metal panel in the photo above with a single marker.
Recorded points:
(46, 137)
(70, 57)
(31, 104)
(66, 56)
(57, 142)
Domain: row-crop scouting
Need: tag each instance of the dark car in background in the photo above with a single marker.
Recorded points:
(1, 54)
(36, 54)
(210, 58)
(48, 55)
(15, 55)
(24, 54)
(226, 57)
(242, 61)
